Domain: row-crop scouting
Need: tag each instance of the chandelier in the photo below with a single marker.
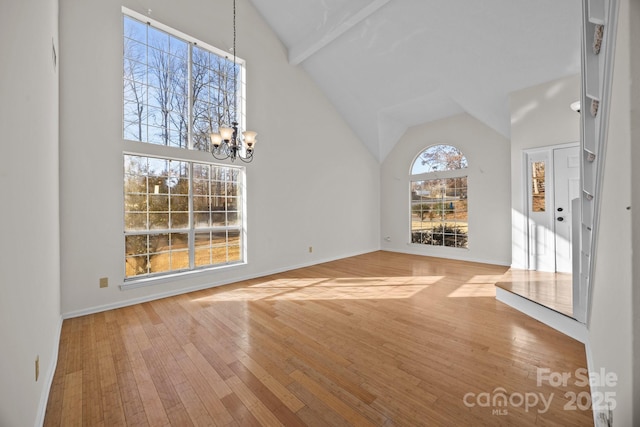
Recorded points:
(226, 143)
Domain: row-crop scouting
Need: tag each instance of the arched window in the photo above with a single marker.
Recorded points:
(439, 214)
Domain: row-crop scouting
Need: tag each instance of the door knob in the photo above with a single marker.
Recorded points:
(560, 209)
(560, 218)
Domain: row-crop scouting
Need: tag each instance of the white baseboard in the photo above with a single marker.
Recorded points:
(50, 372)
(419, 250)
(557, 321)
(160, 295)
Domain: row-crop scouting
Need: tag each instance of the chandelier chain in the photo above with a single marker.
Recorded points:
(235, 68)
(227, 143)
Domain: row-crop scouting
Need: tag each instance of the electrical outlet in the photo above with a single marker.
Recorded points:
(310, 249)
(37, 367)
(104, 282)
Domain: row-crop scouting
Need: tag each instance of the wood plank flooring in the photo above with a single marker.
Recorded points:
(381, 339)
(553, 290)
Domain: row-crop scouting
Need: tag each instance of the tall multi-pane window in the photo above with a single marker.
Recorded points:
(176, 92)
(439, 214)
(179, 214)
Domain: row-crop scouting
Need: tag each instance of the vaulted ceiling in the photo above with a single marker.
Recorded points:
(388, 65)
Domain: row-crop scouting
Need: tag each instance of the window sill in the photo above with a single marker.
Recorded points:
(172, 277)
(422, 245)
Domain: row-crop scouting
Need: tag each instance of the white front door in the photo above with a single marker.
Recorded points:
(540, 215)
(553, 181)
(566, 187)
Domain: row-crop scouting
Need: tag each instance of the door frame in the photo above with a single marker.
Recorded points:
(549, 192)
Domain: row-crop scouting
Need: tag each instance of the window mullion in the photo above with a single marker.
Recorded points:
(205, 94)
(190, 99)
(192, 234)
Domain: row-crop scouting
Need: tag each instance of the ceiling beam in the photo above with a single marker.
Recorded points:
(333, 28)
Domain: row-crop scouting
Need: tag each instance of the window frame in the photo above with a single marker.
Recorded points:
(191, 229)
(241, 88)
(437, 175)
(132, 147)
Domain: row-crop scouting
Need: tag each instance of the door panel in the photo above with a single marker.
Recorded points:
(566, 177)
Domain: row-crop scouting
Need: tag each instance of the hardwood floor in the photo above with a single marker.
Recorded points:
(380, 339)
(553, 290)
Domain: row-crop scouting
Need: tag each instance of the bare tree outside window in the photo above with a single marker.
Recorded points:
(178, 215)
(439, 158)
(439, 206)
(214, 101)
(166, 95)
(135, 85)
(158, 220)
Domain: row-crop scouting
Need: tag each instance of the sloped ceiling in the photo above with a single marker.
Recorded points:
(391, 64)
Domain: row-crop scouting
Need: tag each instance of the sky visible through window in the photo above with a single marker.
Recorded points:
(439, 158)
(174, 90)
(439, 206)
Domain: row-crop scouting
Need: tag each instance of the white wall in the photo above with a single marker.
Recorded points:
(313, 183)
(610, 324)
(487, 153)
(29, 220)
(540, 117)
(634, 16)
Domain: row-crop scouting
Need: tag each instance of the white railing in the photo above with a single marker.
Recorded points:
(598, 46)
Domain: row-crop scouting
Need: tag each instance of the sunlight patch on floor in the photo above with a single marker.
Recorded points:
(352, 292)
(477, 286)
(288, 283)
(486, 278)
(474, 290)
(357, 288)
